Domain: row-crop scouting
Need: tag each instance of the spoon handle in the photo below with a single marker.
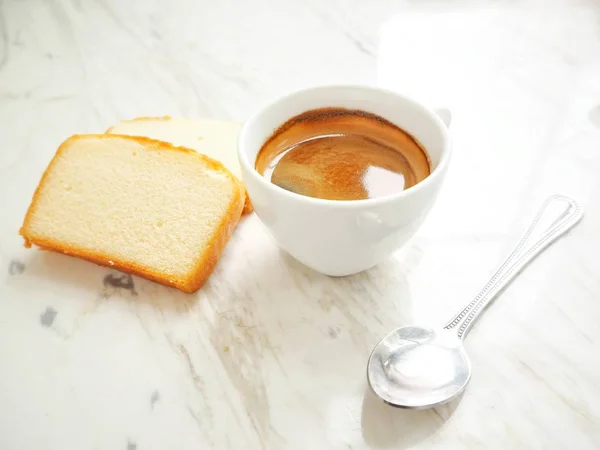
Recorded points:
(568, 214)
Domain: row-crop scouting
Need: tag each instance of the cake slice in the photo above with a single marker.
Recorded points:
(136, 204)
(214, 138)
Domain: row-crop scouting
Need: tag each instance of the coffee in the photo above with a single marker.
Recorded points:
(342, 154)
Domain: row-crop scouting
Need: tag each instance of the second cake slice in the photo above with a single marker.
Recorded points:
(215, 138)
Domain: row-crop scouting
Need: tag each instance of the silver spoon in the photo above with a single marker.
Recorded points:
(417, 367)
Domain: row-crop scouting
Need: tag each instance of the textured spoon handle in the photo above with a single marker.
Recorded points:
(566, 213)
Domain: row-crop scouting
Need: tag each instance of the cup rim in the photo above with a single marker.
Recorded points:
(436, 173)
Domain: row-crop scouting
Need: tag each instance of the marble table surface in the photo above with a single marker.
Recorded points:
(270, 354)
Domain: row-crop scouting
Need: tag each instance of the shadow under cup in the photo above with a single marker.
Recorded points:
(344, 237)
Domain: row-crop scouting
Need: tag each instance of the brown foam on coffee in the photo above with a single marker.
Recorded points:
(342, 154)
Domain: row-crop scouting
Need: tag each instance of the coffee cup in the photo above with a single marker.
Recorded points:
(344, 237)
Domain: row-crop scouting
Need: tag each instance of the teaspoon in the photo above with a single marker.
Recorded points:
(417, 367)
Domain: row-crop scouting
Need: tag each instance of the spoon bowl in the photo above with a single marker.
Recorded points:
(415, 367)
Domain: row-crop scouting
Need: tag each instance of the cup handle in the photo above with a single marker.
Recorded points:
(445, 115)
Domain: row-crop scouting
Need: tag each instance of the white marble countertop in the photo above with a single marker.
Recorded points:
(269, 354)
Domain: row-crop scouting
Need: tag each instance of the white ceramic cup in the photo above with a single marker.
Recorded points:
(336, 237)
